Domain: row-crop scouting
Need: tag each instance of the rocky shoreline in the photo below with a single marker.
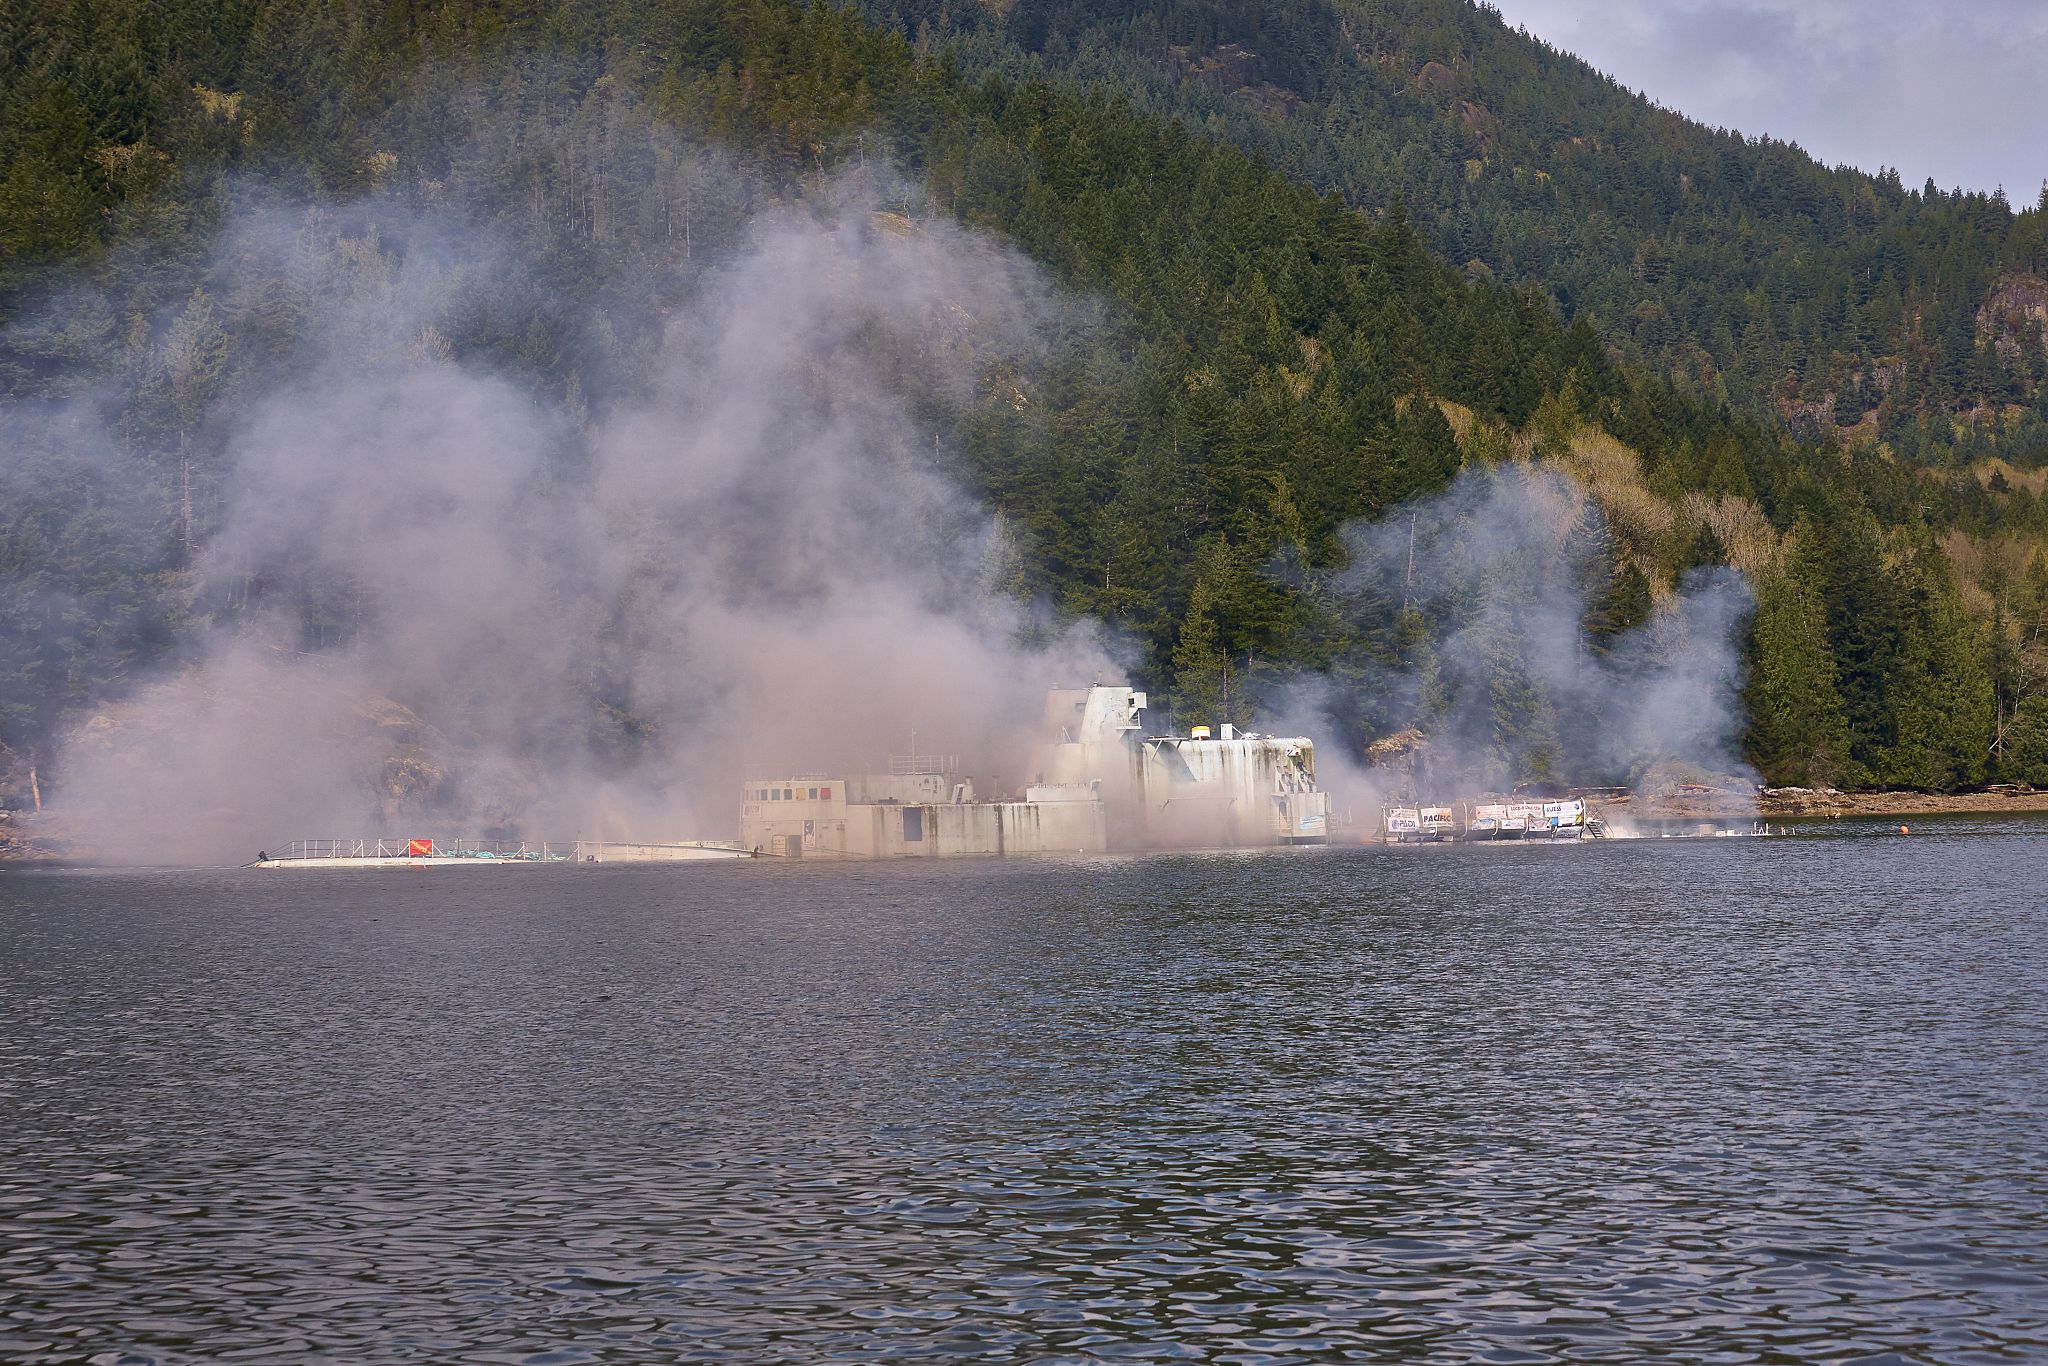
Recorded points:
(1827, 802)
(1792, 803)
(27, 837)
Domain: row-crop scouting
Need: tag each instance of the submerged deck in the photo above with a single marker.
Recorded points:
(459, 853)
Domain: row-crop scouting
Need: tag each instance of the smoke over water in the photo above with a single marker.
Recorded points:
(1509, 666)
(485, 548)
(446, 600)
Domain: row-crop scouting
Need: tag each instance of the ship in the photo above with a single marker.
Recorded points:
(1101, 783)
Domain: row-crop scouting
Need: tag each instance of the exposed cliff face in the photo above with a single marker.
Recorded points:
(2014, 317)
(1230, 70)
(1436, 79)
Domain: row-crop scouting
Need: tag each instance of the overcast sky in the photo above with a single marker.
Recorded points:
(1954, 89)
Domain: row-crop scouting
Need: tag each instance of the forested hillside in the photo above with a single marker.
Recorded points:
(1269, 365)
(1843, 301)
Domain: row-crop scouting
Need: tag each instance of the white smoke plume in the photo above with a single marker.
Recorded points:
(440, 591)
(1501, 576)
(445, 598)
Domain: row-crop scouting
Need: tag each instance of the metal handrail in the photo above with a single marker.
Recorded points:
(923, 765)
(388, 846)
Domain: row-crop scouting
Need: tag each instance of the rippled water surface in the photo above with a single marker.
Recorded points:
(1724, 1101)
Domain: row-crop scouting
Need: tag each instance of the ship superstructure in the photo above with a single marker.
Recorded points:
(1100, 783)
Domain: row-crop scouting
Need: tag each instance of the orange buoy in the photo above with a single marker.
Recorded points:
(1904, 831)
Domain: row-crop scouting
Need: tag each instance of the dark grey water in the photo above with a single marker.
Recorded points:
(1724, 1101)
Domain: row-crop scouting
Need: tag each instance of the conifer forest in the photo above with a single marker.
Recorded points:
(1321, 266)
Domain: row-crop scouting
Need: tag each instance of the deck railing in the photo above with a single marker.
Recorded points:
(923, 765)
(542, 851)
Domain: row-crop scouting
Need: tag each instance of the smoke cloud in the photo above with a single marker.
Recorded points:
(484, 547)
(441, 595)
(1504, 669)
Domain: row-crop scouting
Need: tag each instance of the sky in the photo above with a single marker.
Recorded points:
(1952, 89)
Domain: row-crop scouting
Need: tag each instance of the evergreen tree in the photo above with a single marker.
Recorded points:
(1705, 551)
(1426, 455)
(1798, 730)
(1517, 723)
(1622, 604)
(1866, 620)
(1943, 698)
(1206, 690)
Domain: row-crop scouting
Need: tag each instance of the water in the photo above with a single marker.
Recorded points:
(1725, 1101)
